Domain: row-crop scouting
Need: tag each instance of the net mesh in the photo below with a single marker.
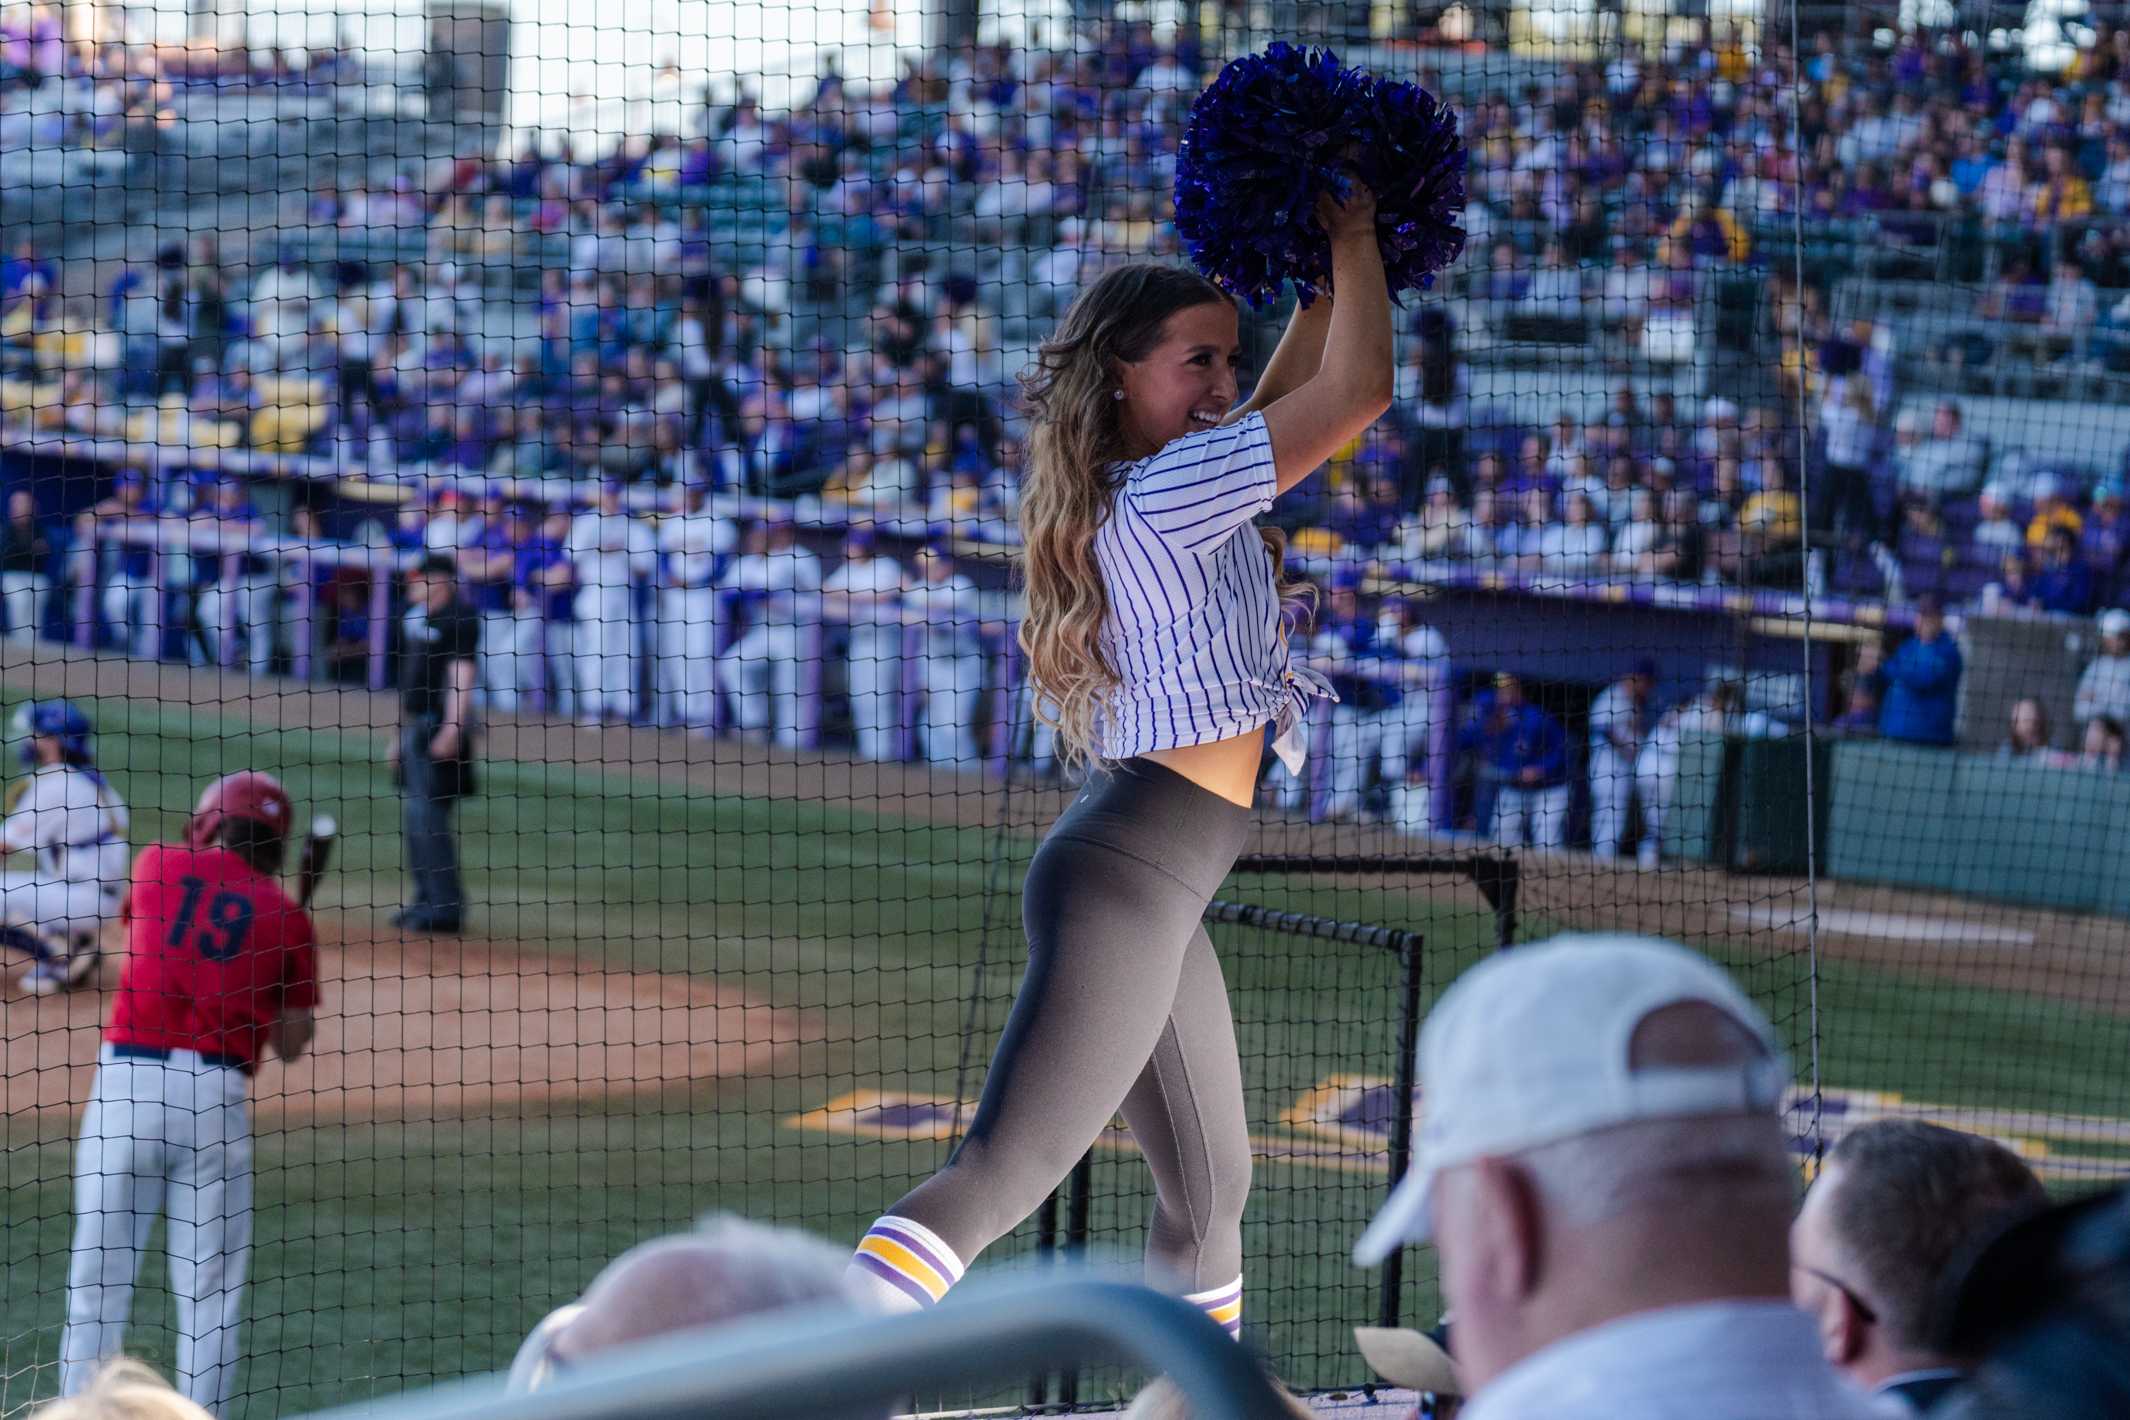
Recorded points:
(1741, 554)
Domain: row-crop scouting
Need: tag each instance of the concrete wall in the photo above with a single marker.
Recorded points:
(1943, 820)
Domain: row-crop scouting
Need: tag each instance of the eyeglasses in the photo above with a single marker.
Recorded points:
(1864, 1309)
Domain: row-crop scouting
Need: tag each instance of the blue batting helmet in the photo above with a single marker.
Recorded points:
(61, 720)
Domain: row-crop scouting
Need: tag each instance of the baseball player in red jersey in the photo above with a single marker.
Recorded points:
(220, 965)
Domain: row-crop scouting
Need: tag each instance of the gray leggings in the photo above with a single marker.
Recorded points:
(1123, 1007)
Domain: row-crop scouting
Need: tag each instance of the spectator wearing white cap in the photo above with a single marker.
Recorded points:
(2104, 685)
(1899, 1204)
(1603, 1171)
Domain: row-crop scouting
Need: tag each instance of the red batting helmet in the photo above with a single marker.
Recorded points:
(251, 796)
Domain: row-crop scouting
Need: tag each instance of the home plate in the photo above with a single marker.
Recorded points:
(1949, 931)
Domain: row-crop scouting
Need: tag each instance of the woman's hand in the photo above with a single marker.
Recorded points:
(1354, 217)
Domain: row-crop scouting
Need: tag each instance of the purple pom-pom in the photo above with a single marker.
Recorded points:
(1414, 162)
(1275, 131)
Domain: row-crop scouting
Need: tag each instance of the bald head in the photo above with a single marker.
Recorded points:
(728, 1269)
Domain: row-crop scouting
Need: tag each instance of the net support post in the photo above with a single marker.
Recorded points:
(1390, 1303)
(1046, 1251)
(1079, 1208)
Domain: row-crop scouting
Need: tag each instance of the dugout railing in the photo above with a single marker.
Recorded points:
(831, 1362)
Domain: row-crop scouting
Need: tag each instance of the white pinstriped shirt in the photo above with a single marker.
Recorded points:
(1194, 618)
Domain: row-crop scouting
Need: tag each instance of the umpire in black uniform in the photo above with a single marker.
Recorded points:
(432, 760)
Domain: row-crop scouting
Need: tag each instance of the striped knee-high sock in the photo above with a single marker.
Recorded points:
(903, 1265)
(1223, 1304)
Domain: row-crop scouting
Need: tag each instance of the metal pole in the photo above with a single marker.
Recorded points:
(1508, 877)
(1079, 1194)
(1046, 1248)
(382, 575)
(159, 604)
(303, 633)
(87, 581)
(1401, 1124)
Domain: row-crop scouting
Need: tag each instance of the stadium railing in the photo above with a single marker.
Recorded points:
(829, 1362)
(1006, 713)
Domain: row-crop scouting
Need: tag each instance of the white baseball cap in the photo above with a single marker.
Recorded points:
(2115, 622)
(1532, 1046)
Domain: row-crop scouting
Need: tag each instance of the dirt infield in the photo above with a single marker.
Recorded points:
(425, 1029)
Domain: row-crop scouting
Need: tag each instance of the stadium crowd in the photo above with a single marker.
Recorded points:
(666, 357)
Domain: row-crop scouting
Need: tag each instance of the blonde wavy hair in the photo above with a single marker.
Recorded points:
(1068, 488)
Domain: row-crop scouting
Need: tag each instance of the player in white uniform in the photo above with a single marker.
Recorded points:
(694, 544)
(1423, 668)
(761, 670)
(1619, 725)
(864, 593)
(1656, 771)
(948, 604)
(64, 840)
(610, 550)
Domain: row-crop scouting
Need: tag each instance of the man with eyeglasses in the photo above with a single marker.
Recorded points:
(1897, 1203)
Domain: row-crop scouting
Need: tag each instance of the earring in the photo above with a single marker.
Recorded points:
(1116, 394)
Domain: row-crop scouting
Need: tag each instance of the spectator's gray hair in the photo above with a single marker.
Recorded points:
(768, 1267)
(124, 1389)
(1737, 1161)
(739, 1269)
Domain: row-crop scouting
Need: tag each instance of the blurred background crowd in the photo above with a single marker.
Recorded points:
(1712, 330)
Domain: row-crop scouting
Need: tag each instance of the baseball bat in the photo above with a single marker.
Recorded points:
(317, 852)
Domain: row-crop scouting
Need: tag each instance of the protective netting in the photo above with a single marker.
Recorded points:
(1742, 553)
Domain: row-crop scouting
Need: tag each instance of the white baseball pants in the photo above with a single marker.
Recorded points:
(23, 594)
(161, 1135)
(1543, 812)
(874, 676)
(1612, 780)
(689, 624)
(606, 652)
(951, 686)
(57, 907)
(761, 673)
(505, 673)
(251, 617)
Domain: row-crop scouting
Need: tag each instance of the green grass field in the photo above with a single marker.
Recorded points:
(394, 1255)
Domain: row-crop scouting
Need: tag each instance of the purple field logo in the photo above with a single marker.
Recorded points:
(1344, 1122)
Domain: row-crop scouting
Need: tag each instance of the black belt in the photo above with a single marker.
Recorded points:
(156, 1052)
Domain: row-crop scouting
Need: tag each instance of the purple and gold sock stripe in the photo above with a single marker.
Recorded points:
(1223, 1304)
(910, 1258)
